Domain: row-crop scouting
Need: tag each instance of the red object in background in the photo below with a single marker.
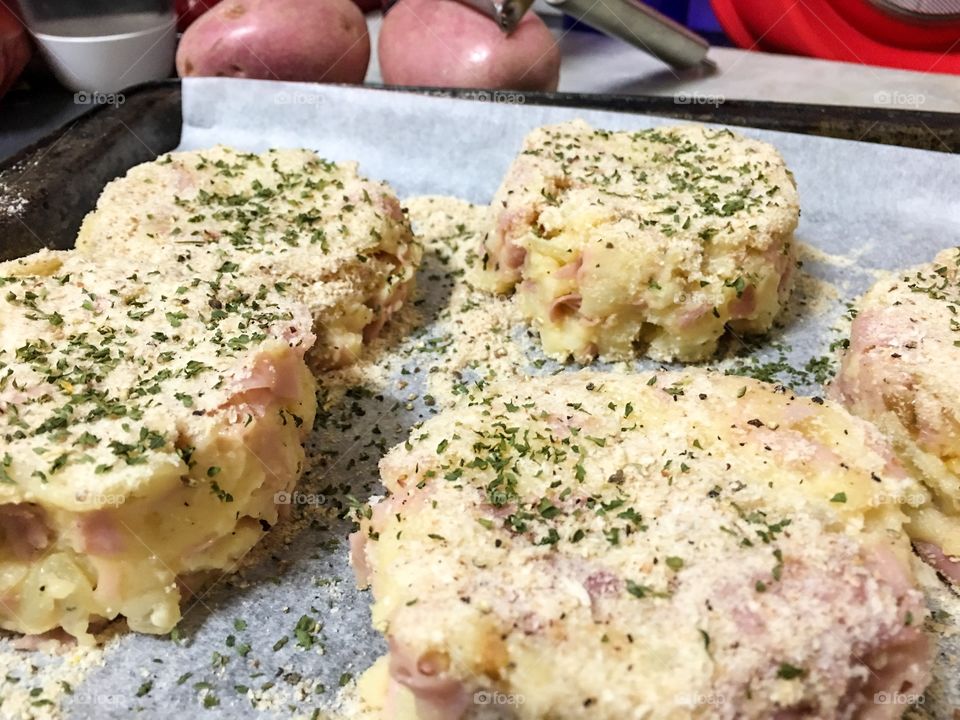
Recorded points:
(190, 10)
(442, 43)
(846, 30)
(15, 48)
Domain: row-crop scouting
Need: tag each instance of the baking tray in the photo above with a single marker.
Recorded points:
(298, 580)
(56, 181)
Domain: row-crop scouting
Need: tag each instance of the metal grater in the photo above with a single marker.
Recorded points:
(923, 10)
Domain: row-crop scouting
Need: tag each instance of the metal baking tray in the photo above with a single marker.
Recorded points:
(47, 188)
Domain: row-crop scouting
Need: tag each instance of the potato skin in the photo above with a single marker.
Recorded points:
(444, 43)
(15, 49)
(189, 10)
(305, 40)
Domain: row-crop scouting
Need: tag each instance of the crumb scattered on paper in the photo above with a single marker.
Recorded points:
(36, 685)
(12, 204)
(474, 327)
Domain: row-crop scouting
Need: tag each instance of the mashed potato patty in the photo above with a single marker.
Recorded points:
(665, 546)
(652, 241)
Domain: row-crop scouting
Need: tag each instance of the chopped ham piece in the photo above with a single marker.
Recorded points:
(745, 305)
(358, 558)
(601, 584)
(564, 306)
(570, 270)
(511, 255)
(394, 301)
(899, 662)
(438, 697)
(947, 566)
(689, 318)
(100, 534)
(260, 386)
(24, 529)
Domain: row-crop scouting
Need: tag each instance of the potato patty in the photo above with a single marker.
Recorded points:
(655, 239)
(608, 546)
(148, 418)
(902, 372)
(339, 240)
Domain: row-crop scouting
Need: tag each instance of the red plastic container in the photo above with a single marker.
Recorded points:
(847, 30)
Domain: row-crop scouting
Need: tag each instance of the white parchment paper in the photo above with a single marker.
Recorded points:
(869, 206)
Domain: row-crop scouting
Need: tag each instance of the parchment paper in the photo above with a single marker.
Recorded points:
(864, 207)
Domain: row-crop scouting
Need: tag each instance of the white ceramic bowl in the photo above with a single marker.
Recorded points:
(108, 63)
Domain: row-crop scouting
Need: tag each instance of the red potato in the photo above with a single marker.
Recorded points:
(190, 10)
(15, 48)
(444, 43)
(308, 40)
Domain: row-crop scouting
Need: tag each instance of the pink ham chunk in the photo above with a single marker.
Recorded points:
(900, 660)
(24, 529)
(512, 256)
(745, 305)
(100, 534)
(358, 558)
(269, 379)
(570, 271)
(933, 555)
(394, 301)
(602, 583)
(564, 306)
(438, 696)
(504, 254)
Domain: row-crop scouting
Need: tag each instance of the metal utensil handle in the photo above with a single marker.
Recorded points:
(641, 26)
(506, 13)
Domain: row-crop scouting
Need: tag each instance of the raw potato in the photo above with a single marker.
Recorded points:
(15, 49)
(278, 40)
(189, 10)
(443, 43)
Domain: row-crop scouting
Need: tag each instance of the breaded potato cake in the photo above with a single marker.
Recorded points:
(610, 546)
(901, 371)
(650, 241)
(340, 241)
(149, 416)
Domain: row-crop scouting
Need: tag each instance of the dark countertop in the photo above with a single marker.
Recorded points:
(32, 111)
